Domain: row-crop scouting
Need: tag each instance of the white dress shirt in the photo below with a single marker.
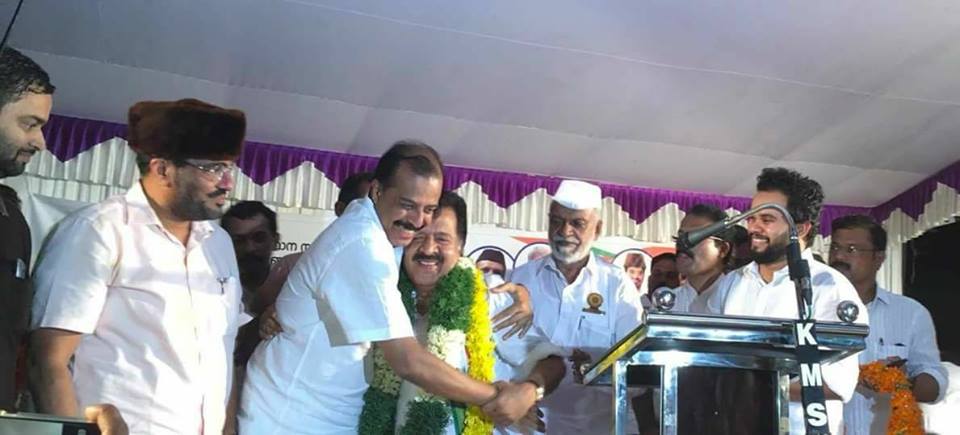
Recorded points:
(158, 318)
(691, 301)
(341, 296)
(563, 313)
(743, 292)
(901, 327)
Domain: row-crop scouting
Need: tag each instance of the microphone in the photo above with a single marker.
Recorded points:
(687, 240)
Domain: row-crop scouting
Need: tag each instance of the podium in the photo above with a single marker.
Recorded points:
(667, 343)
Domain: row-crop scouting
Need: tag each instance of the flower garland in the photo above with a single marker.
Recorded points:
(458, 319)
(906, 418)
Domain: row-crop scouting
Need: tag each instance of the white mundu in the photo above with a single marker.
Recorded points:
(744, 293)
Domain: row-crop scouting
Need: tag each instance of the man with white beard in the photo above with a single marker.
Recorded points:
(581, 303)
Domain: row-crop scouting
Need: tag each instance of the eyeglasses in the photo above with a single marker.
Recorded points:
(217, 170)
(849, 249)
(677, 237)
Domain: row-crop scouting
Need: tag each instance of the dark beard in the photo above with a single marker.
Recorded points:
(189, 208)
(776, 251)
(9, 167)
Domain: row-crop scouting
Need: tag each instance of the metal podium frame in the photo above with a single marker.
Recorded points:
(672, 341)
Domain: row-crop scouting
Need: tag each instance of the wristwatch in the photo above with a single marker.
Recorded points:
(539, 388)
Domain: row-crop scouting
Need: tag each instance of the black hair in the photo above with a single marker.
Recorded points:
(19, 75)
(248, 209)
(459, 206)
(708, 211)
(715, 214)
(804, 195)
(664, 256)
(143, 163)
(418, 156)
(350, 189)
(740, 235)
(878, 235)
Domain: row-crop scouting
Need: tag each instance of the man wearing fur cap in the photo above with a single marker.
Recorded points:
(140, 291)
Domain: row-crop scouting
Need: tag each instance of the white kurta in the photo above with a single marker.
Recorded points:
(691, 301)
(744, 293)
(341, 296)
(563, 313)
(900, 327)
(159, 318)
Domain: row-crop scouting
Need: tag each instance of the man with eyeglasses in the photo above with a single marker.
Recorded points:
(138, 298)
(763, 287)
(581, 303)
(901, 330)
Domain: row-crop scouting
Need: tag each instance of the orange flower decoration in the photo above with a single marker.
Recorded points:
(905, 415)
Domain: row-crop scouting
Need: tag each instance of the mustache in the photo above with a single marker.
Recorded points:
(407, 226)
(565, 240)
(217, 193)
(424, 257)
(840, 265)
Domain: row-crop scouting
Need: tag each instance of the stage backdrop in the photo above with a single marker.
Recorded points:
(88, 160)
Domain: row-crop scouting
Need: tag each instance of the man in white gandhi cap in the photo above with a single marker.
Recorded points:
(582, 304)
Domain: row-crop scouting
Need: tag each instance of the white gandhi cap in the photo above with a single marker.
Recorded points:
(578, 195)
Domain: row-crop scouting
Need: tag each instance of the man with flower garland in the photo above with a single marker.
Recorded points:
(581, 303)
(341, 297)
(436, 285)
(901, 330)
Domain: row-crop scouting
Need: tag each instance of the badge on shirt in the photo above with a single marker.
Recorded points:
(20, 270)
(594, 302)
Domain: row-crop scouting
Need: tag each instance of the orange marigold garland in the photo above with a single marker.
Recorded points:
(905, 415)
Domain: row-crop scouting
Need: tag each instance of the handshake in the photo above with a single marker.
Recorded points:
(516, 404)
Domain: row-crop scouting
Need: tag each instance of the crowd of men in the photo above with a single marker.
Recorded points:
(138, 311)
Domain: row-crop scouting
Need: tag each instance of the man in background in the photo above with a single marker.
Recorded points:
(636, 266)
(491, 262)
(26, 96)
(901, 330)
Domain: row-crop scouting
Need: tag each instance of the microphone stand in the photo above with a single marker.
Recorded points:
(804, 331)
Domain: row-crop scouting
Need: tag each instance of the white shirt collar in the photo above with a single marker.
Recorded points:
(591, 266)
(753, 269)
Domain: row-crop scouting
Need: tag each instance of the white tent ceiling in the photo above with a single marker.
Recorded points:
(693, 95)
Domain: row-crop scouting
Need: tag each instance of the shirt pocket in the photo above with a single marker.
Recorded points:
(885, 351)
(221, 306)
(595, 333)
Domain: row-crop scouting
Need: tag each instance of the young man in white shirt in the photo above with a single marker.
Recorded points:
(901, 329)
(341, 297)
(581, 303)
(763, 288)
(138, 297)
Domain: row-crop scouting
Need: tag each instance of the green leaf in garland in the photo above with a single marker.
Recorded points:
(377, 417)
(452, 300)
(426, 418)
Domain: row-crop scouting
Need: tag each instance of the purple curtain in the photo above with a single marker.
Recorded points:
(67, 137)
